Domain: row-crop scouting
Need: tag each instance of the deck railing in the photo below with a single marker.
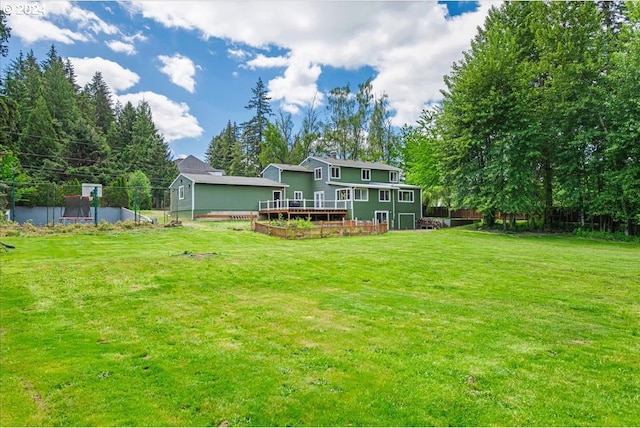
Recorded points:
(302, 204)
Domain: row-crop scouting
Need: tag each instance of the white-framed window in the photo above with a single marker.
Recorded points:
(366, 175)
(360, 194)
(393, 176)
(405, 195)
(335, 172)
(343, 194)
(181, 192)
(384, 195)
(317, 173)
(297, 195)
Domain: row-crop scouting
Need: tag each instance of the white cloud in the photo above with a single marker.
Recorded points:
(411, 45)
(127, 44)
(121, 47)
(262, 61)
(180, 69)
(135, 37)
(297, 87)
(43, 23)
(237, 54)
(32, 29)
(172, 118)
(117, 77)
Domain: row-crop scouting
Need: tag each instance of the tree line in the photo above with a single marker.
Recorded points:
(354, 124)
(542, 115)
(54, 131)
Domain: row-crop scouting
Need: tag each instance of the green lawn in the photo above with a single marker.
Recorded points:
(453, 327)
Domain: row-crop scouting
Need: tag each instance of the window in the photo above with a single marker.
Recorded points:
(343, 194)
(360, 194)
(405, 195)
(335, 172)
(181, 192)
(366, 175)
(384, 195)
(317, 173)
(393, 176)
(297, 195)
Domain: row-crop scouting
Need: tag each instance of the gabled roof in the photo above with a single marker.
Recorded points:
(287, 167)
(193, 165)
(354, 164)
(232, 180)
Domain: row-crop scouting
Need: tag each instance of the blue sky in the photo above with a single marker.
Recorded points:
(196, 62)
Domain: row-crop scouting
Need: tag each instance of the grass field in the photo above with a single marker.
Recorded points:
(211, 322)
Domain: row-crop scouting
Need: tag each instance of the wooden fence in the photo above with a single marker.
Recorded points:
(323, 229)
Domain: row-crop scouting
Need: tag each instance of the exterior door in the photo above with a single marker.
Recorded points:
(318, 200)
(382, 216)
(277, 196)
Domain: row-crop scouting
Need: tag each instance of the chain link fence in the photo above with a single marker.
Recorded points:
(46, 203)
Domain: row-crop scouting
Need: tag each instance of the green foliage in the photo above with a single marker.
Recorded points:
(541, 114)
(139, 190)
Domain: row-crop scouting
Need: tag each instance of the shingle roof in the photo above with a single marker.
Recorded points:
(356, 164)
(233, 180)
(193, 165)
(287, 167)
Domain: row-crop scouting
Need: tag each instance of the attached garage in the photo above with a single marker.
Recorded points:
(208, 196)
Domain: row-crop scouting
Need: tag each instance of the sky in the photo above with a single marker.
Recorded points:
(196, 62)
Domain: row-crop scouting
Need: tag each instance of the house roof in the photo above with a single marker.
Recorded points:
(287, 167)
(193, 165)
(355, 164)
(232, 180)
(372, 185)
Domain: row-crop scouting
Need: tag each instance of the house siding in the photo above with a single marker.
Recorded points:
(181, 206)
(298, 181)
(272, 173)
(229, 198)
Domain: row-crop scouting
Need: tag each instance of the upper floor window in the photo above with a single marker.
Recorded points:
(317, 173)
(384, 195)
(393, 176)
(181, 192)
(297, 195)
(343, 194)
(405, 195)
(360, 194)
(366, 175)
(335, 172)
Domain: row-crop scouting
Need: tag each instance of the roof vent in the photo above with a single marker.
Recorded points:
(333, 154)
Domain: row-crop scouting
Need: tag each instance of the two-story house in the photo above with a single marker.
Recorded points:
(344, 188)
(320, 188)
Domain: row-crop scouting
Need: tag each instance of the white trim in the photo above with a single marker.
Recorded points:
(315, 175)
(181, 192)
(386, 214)
(193, 200)
(362, 174)
(411, 214)
(379, 196)
(361, 190)
(318, 202)
(333, 168)
(298, 195)
(397, 174)
(277, 202)
(348, 194)
(406, 192)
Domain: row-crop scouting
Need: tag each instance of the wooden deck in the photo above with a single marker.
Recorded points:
(286, 208)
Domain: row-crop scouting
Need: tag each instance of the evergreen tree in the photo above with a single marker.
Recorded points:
(253, 130)
(99, 97)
